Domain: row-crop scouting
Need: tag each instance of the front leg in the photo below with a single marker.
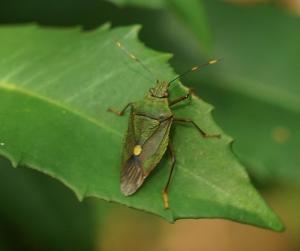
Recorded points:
(119, 113)
(203, 133)
(182, 98)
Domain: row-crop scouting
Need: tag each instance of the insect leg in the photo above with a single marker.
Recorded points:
(119, 113)
(165, 191)
(203, 133)
(179, 99)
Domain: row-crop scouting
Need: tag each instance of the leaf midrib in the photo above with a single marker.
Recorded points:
(23, 91)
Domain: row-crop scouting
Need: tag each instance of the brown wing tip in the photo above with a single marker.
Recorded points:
(132, 177)
(128, 187)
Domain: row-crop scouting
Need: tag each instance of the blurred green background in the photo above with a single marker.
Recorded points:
(256, 92)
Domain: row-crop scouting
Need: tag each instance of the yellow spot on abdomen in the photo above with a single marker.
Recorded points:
(137, 150)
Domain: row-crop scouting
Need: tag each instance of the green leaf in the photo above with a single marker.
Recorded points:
(193, 16)
(256, 87)
(55, 88)
(149, 4)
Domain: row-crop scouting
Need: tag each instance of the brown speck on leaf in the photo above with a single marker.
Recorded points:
(280, 134)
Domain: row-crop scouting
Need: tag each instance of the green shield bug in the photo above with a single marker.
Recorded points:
(148, 133)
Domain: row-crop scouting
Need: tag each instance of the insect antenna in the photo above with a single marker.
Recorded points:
(132, 56)
(195, 68)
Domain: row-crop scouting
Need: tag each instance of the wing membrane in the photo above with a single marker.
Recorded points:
(132, 176)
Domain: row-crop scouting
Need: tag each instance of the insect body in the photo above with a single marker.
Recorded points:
(148, 135)
(147, 138)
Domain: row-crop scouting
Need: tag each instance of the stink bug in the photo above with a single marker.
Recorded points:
(147, 137)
